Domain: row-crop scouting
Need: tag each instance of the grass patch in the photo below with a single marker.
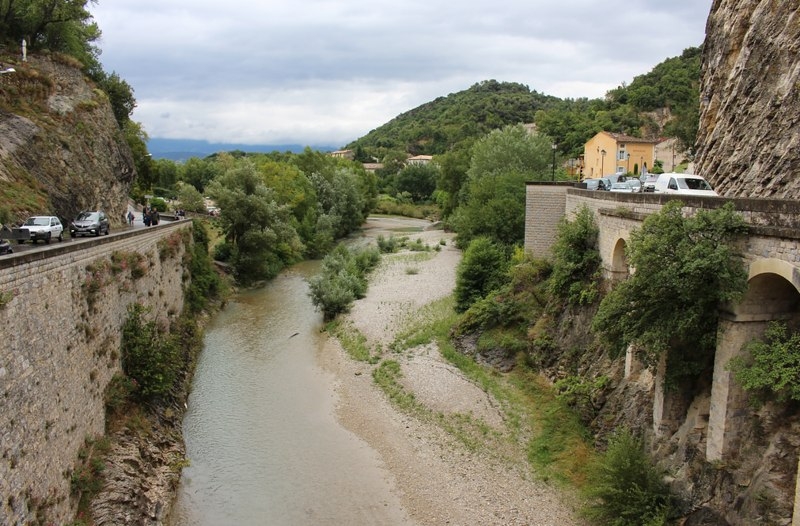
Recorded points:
(353, 342)
(538, 423)
(387, 375)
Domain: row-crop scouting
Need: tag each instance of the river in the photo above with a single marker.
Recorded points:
(261, 435)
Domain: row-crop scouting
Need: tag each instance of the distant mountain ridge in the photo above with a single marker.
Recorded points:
(183, 149)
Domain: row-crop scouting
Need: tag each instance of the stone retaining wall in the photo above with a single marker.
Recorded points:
(61, 313)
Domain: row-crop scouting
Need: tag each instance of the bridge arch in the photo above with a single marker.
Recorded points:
(773, 293)
(618, 268)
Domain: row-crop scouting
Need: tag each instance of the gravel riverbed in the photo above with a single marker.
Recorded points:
(438, 479)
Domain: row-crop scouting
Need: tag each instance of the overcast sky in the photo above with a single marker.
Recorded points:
(325, 72)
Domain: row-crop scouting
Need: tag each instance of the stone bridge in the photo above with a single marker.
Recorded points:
(771, 253)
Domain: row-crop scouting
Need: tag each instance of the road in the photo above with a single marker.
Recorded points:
(29, 246)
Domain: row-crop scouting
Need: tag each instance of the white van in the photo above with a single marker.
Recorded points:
(683, 184)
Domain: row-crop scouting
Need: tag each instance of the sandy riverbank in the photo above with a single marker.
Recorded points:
(438, 480)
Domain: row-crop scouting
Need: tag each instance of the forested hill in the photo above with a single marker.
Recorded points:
(661, 103)
(436, 126)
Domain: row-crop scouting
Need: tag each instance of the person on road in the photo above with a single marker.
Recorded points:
(130, 218)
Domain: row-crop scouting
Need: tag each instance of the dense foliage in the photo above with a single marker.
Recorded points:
(206, 284)
(685, 268)
(275, 209)
(772, 369)
(64, 26)
(576, 260)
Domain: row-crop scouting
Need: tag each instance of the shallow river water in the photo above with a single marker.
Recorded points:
(263, 443)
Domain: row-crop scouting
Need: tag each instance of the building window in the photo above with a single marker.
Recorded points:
(621, 154)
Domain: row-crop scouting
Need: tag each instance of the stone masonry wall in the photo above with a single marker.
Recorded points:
(61, 313)
(544, 208)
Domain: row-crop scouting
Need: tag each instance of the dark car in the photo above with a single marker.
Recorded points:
(90, 224)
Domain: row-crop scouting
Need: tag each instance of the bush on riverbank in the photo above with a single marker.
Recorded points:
(343, 279)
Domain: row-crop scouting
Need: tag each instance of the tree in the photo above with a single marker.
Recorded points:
(418, 180)
(452, 175)
(494, 195)
(136, 138)
(190, 199)
(200, 172)
(686, 267)
(64, 26)
(120, 95)
(257, 226)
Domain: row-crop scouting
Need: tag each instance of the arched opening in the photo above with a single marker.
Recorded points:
(772, 294)
(620, 270)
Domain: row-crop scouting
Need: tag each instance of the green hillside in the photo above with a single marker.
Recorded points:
(453, 122)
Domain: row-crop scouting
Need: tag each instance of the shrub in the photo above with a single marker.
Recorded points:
(771, 371)
(148, 357)
(159, 204)
(206, 283)
(342, 280)
(576, 260)
(481, 270)
(223, 251)
(625, 489)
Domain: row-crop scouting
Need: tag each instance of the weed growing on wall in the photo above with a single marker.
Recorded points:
(102, 272)
(770, 372)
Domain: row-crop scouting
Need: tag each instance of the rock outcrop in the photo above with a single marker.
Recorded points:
(61, 150)
(749, 133)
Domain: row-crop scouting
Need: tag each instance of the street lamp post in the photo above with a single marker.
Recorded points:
(602, 162)
(554, 161)
(629, 163)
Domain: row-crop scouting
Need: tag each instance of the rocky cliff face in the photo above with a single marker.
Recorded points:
(61, 150)
(749, 134)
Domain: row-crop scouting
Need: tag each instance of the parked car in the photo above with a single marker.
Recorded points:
(594, 184)
(684, 184)
(649, 183)
(43, 227)
(621, 187)
(92, 223)
(634, 184)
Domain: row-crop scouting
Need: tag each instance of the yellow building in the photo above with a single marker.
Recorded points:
(615, 153)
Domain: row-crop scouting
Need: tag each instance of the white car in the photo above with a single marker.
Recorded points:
(43, 227)
(683, 184)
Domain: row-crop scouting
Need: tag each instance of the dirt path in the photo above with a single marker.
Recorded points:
(439, 480)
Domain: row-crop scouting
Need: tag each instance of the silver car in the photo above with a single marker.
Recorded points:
(90, 224)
